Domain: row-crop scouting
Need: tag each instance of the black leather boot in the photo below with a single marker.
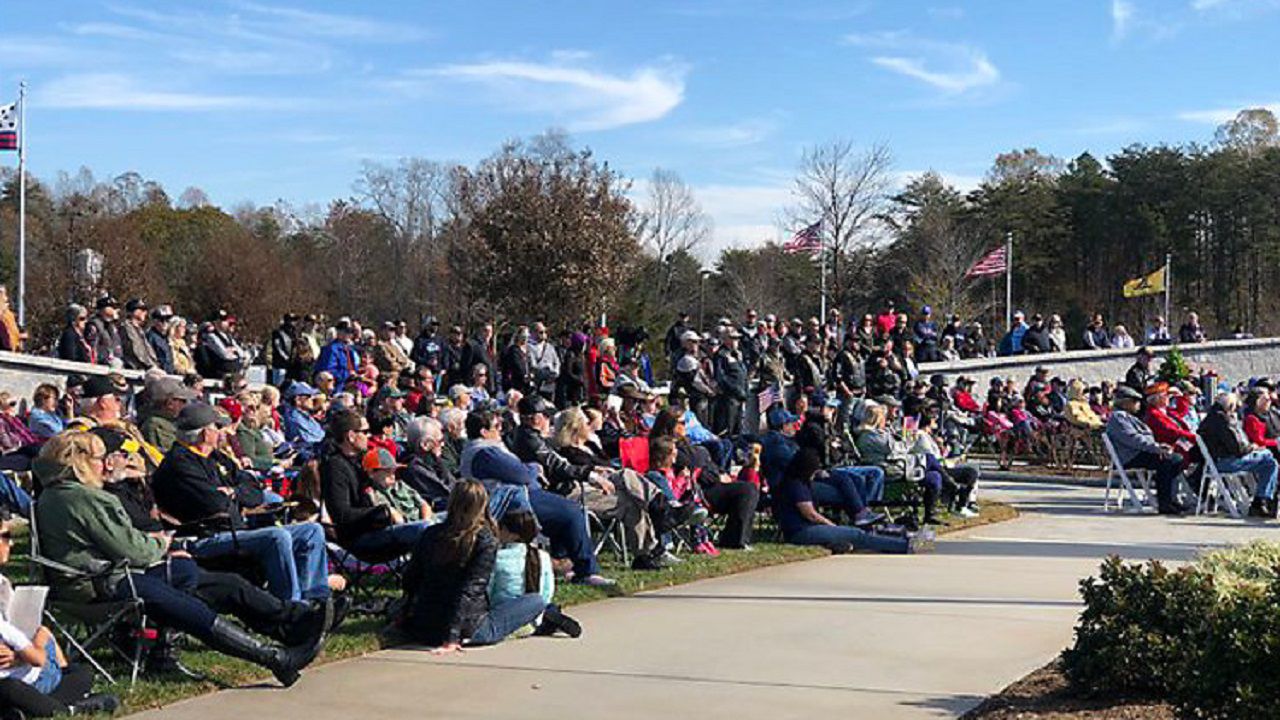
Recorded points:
(285, 663)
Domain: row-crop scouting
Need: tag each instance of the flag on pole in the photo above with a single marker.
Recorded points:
(807, 240)
(995, 262)
(9, 126)
(1151, 284)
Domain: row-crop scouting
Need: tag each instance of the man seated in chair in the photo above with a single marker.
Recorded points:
(362, 525)
(1136, 449)
(197, 491)
(1232, 452)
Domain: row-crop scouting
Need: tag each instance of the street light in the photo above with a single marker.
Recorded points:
(702, 297)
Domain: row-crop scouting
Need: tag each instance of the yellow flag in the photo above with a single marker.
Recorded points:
(1152, 284)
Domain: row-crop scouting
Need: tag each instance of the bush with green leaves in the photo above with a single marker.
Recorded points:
(1205, 637)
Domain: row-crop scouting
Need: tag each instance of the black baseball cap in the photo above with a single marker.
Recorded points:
(100, 385)
(135, 304)
(534, 404)
(106, 301)
(197, 415)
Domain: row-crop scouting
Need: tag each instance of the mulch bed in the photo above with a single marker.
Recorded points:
(1046, 695)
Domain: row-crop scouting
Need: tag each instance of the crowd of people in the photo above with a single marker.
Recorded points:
(488, 468)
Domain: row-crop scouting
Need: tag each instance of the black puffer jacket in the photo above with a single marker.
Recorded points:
(444, 603)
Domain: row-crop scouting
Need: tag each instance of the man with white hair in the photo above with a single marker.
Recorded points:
(454, 424)
(1232, 452)
(426, 470)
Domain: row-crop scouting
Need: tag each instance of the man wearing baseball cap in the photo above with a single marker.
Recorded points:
(301, 427)
(103, 333)
(158, 336)
(138, 354)
(385, 489)
(1136, 448)
(363, 526)
(168, 398)
(195, 487)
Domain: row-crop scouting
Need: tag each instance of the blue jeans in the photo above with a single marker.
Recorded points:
(565, 525)
(396, 538)
(13, 496)
(51, 673)
(506, 618)
(829, 535)
(1261, 464)
(166, 593)
(293, 557)
(850, 487)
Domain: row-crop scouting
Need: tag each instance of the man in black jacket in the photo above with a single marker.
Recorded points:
(362, 525)
(624, 495)
(1232, 452)
(1139, 375)
(478, 351)
(731, 387)
(426, 471)
(203, 494)
(283, 363)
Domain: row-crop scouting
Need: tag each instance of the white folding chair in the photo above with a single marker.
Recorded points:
(1126, 490)
(1228, 492)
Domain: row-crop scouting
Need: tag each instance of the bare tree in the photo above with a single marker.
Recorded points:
(1251, 130)
(847, 191)
(672, 221)
(412, 197)
(193, 197)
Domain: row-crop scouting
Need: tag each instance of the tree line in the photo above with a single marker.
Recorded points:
(543, 228)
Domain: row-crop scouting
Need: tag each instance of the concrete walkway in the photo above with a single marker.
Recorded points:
(862, 636)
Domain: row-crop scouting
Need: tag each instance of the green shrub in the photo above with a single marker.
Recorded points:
(1141, 625)
(1205, 637)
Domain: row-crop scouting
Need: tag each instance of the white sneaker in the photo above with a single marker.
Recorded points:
(967, 512)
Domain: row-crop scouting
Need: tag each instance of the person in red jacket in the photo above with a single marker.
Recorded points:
(1256, 405)
(1167, 427)
(963, 396)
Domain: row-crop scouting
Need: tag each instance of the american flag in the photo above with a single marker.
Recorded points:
(9, 126)
(993, 263)
(767, 398)
(807, 240)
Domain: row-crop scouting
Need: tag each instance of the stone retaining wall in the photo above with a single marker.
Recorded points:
(1232, 359)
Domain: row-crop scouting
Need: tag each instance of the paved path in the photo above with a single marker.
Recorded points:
(863, 636)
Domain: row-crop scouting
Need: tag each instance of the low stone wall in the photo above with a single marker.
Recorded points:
(1232, 359)
(20, 374)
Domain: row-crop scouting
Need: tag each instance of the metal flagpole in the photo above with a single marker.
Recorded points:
(1168, 287)
(22, 204)
(1008, 280)
(822, 244)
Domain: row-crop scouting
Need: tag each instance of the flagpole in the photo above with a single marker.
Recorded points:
(1168, 287)
(1008, 280)
(822, 243)
(22, 204)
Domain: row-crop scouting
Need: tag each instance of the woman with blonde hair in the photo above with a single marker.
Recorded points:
(879, 447)
(183, 361)
(447, 582)
(83, 526)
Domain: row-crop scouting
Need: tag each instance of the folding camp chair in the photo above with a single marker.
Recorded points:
(99, 620)
(1228, 491)
(367, 576)
(1117, 472)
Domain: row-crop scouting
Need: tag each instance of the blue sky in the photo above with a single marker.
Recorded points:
(260, 100)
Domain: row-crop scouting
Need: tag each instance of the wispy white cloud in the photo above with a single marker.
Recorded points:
(113, 91)
(1217, 116)
(959, 181)
(332, 25)
(1121, 18)
(739, 134)
(585, 99)
(954, 68)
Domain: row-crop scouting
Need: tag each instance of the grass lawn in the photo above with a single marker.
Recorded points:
(361, 635)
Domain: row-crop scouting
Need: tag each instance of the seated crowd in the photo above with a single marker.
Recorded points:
(231, 511)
